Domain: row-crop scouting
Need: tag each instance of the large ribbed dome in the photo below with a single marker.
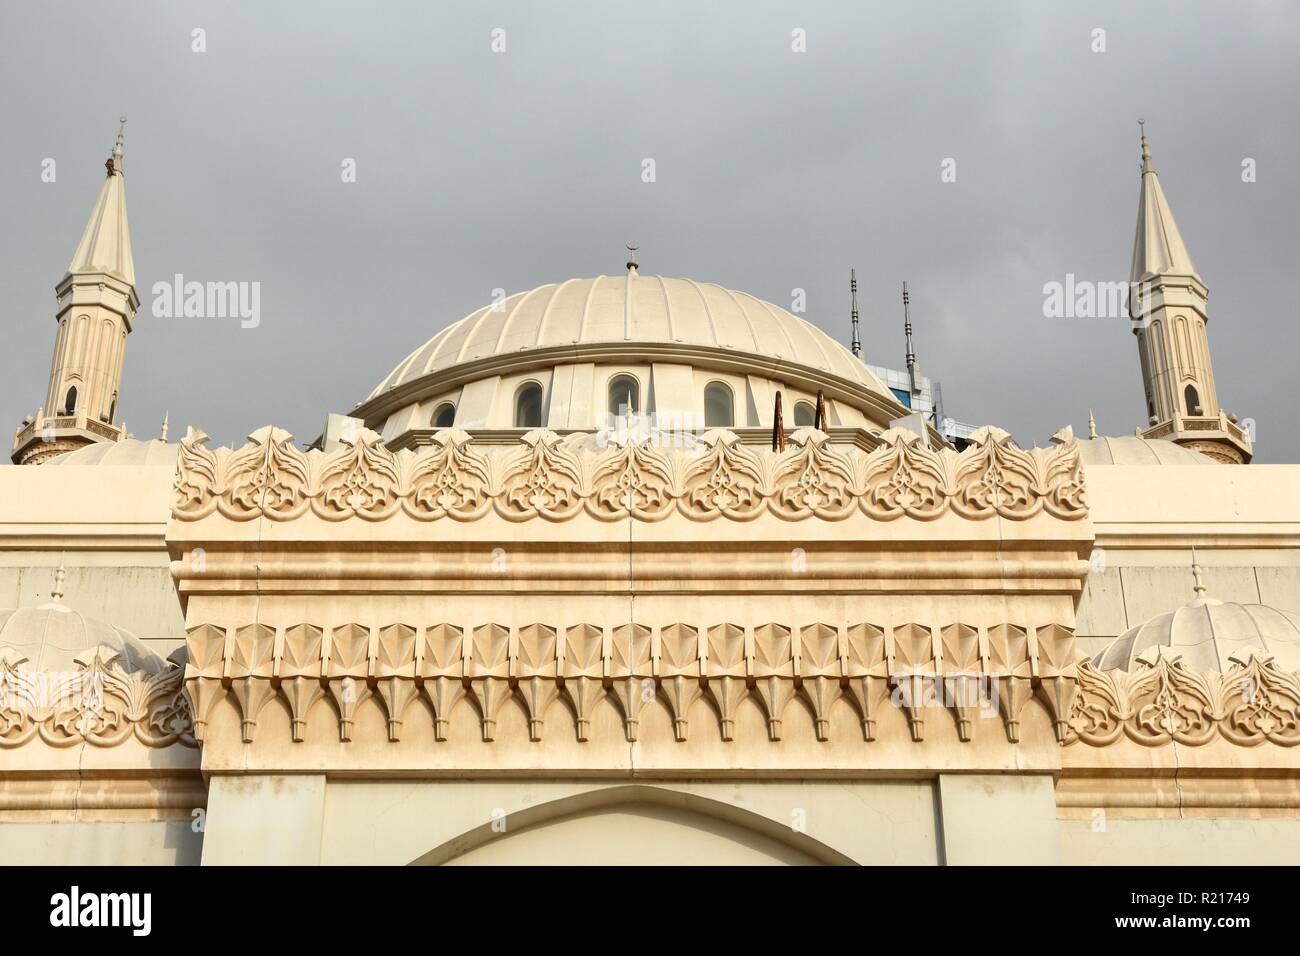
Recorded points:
(632, 308)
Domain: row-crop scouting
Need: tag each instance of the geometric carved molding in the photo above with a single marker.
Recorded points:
(954, 672)
(540, 476)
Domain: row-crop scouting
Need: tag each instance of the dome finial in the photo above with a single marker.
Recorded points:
(163, 436)
(60, 575)
(1197, 576)
(1092, 425)
(631, 258)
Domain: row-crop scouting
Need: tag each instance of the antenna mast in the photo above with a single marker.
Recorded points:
(856, 347)
(907, 334)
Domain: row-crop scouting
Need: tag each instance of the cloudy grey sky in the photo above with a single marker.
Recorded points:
(775, 170)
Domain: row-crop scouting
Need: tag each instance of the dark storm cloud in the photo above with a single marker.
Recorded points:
(775, 170)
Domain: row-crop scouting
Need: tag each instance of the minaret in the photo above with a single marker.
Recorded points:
(1169, 319)
(96, 304)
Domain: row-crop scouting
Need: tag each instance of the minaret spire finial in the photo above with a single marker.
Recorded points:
(163, 436)
(631, 258)
(1147, 165)
(114, 164)
(1092, 425)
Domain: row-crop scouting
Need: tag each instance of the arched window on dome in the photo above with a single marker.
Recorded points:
(624, 395)
(70, 402)
(444, 415)
(528, 406)
(719, 409)
(804, 414)
(1192, 400)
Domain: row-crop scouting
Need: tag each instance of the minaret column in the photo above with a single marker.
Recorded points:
(1170, 325)
(97, 303)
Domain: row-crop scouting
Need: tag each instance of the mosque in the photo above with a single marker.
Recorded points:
(636, 569)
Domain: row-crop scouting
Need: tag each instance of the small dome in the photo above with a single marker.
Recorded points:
(629, 309)
(51, 637)
(1131, 450)
(1207, 633)
(128, 451)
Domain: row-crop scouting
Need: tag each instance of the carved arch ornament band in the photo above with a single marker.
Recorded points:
(542, 476)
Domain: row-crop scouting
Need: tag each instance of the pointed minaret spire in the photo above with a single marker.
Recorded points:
(1167, 306)
(97, 302)
(163, 436)
(1158, 248)
(106, 241)
(1092, 425)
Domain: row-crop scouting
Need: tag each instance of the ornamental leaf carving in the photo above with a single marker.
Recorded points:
(813, 479)
(904, 478)
(545, 483)
(450, 482)
(631, 480)
(545, 477)
(358, 479)
(725, 481)
(100, 703)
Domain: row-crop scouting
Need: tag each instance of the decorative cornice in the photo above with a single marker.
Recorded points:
(101, 703)
(955, 672)
(541, 477)
(1163, 701)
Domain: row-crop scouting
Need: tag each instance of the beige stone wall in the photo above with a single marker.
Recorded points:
(1222, 841)
(955, 819)
(1137, 584)
(658, 822)
(105, 525)
(101, 843)
(1244, 524)
(129, 589)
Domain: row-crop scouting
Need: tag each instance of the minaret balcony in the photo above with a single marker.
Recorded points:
(54, 435)
(1196, 430)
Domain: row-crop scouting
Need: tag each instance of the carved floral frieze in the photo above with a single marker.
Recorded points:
(541, 476)
(1163, 701)
(100, 703)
